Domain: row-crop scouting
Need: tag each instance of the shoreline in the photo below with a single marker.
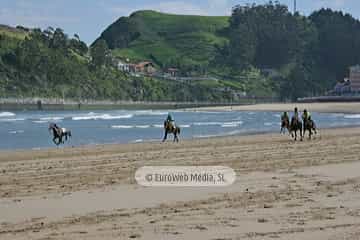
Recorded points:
(329, 107)
(169, 141)
(96, 146)
(13, 104)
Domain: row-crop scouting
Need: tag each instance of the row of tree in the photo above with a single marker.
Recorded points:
(309, 53)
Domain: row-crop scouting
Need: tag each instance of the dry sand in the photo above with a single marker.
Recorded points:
(335, 107)
(284, 190)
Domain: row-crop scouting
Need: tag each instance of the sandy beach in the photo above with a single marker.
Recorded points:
(284, 190)
(330, 107)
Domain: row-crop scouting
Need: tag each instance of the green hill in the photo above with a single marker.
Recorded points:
(18, 33)
(166, 39)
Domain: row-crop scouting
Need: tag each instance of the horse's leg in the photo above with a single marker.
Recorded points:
(165, 136)
(176, 137)
(55, 141)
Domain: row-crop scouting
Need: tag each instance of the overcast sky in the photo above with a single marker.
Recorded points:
(89, 18)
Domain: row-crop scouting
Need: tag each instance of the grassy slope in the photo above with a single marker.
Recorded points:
(12, 32)
(167, 36)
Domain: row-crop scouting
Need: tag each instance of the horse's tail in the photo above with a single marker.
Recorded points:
(178, 130)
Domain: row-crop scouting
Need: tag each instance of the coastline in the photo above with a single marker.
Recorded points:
(10, 104)
(330, 107)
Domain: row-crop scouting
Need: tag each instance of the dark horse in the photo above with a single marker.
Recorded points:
(59, 133)
(296, 126)
(309, 125)
(285, 124)
(169, 127)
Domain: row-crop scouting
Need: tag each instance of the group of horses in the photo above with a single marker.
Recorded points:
(60, 135)
(296, 126)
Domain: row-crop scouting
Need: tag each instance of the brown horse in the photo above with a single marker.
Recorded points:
(296, 126)
(309, 125)
(285, 124)
(169, 127)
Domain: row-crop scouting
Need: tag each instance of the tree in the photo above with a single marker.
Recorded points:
(99, 53)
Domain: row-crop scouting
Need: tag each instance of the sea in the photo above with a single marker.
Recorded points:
(29, 129)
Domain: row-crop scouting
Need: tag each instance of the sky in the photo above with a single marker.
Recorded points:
(88, 18)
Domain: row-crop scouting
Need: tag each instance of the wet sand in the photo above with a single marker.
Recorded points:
(284, 190)
(335, 107)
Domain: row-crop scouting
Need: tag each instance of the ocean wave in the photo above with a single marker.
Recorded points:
(11, 119)
(151, 113)
(40, 121)
(51, 119)
(142, 126)
(137, 141)
(269, 123)
(101, 117)
(7, 114)
(222, 124)
(184, 125)
(352, 116)
(16, 131)
(122, 126)
(206, 123)
(231, 124)
(157, 125)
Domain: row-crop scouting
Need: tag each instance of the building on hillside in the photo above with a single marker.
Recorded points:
(354, 78)
(173, 72)
(145, 67)
(123, 66)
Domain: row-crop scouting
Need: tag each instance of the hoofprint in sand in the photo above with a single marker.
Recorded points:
(284, 190)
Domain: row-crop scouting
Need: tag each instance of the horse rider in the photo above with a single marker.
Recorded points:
(296, 116)
(57, 128)
(306, 115)
(284, 117)
(170, 120)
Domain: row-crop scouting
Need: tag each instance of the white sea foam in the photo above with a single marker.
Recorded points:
(7, 114)
(16, 131)
(231, 124)
(157, 125)
(122, 126)
(11, 119)
(151, 113)
(142, 126)
(206, 123)
(102, 117)
(184, 125)
(40, 121)
(352, 116)
(51, 118)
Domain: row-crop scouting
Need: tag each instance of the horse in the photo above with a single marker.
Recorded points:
(309, 125)
(295, 126)
(169, 127)
(285, 124)
(59, 133)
